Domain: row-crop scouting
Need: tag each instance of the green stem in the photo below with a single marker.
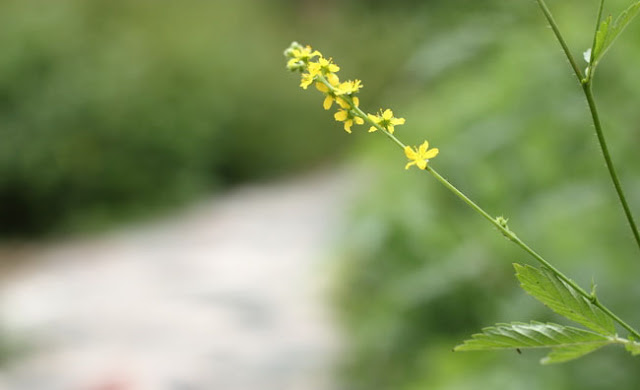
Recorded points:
(607, 158)
(556, 31)
(503, 228)
(512, 236)
(591, 68)
(586, 87)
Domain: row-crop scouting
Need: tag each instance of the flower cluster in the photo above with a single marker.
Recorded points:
(318, 70)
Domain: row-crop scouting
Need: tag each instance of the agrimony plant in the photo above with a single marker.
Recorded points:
(545, 283)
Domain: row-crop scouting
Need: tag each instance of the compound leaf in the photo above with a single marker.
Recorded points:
(543, 285)
(567, 342)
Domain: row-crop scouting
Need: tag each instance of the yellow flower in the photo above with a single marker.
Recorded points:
(420, 156)
(300, 56)
(386, 120)
(330, 94)
(345, 104)
(327, 68)
(346, 115)
(350, 87)
(306, 80)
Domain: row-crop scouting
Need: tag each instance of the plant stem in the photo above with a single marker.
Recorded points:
(591, 68)
(586, 87)
(556, 31)
(588, 93)
(503, 228)
(512, 236)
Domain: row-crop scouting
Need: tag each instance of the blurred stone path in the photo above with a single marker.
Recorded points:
(229, 295)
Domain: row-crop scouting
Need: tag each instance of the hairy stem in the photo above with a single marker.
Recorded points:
(592, 57)
(556, 31)
(607, 158)
(588, 93)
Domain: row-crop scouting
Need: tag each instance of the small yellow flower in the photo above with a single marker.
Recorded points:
(307, 79)
(301, 56)
(350, 87)
(327, 68)
(330, 94)
(345, 104)
(386, 120)
(420, 156)
(346, 115)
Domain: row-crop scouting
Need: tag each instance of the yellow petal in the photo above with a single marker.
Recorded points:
(387, 114)
(390, 129)
(322, 87)
(372, 129)
(423, 148)
(397, 121)
(306, 80)
(356, 101)
(359, 120)
(314, 68)
(422, 164)
(341, 115)
(333, 68)
(328, 101)
(373, 117)
(347, 125)
(432, 153)
(409, 152)
(409, 164)
(343, 103)
(333, 79)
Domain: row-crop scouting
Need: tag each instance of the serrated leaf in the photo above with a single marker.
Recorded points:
(564, 354)
(608, 31)
(543, 285)
(536, 335)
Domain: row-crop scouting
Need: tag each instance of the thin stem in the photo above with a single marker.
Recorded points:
(586, 87)
(512, 236)
(591, 67)
(364, 116)
(502, 227)
(607, 158)
(556, 31)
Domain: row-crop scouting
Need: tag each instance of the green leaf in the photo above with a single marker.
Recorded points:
(608, 32)
(567, 342)
(601, 37)
(564, 354)
(543, 285)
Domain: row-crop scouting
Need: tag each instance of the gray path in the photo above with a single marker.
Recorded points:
(230, 295)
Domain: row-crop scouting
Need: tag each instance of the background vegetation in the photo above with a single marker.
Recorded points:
(421, 271)
(113, 109)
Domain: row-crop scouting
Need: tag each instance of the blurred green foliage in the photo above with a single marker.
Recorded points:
(114, 108)
(419, 271)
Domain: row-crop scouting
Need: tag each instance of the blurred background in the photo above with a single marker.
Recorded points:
(176, 213)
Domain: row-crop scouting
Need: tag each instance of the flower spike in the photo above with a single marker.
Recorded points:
(318, 70)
